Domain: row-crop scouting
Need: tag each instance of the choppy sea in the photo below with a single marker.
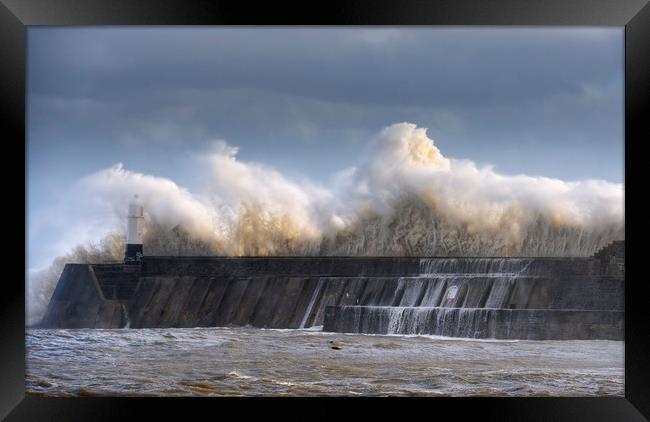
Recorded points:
(247, 361)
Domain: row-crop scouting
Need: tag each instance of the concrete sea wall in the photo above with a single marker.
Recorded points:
(78, 302)
(541, 297)
(525, 324)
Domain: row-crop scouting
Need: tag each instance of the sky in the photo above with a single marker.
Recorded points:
(545, 101)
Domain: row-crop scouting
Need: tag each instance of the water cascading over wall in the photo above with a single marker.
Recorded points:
(528, 298)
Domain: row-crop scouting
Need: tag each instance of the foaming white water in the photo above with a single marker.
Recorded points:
(314, 328)
(403, 197)
(240, 376)
(436, 337)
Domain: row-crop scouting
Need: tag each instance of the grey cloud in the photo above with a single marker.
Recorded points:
(443, 66)
(489, 95)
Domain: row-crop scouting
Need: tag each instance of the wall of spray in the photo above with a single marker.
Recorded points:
(402, 198)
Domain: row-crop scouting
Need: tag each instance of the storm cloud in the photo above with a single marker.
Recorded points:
(536, 101)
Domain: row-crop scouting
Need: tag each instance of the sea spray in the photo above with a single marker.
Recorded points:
(403, 198)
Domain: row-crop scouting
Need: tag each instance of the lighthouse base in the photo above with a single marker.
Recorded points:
(133, 254)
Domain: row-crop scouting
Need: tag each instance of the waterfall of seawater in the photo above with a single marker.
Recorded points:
(125, 312)
(395, 316)
(314, 296)
(448, 298)
(485, 266)
(452, 322)
(413, 289)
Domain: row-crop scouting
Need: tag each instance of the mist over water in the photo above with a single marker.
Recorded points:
(403, 198)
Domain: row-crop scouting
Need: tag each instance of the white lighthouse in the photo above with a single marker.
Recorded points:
(133, 253)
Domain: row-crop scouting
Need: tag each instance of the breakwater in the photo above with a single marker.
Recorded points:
(532, 298)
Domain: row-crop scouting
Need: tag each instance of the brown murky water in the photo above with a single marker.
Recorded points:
(251, 361)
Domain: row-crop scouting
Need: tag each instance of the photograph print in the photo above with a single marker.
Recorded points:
(325, 211)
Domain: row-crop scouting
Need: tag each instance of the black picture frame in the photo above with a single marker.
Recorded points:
(16, 15)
